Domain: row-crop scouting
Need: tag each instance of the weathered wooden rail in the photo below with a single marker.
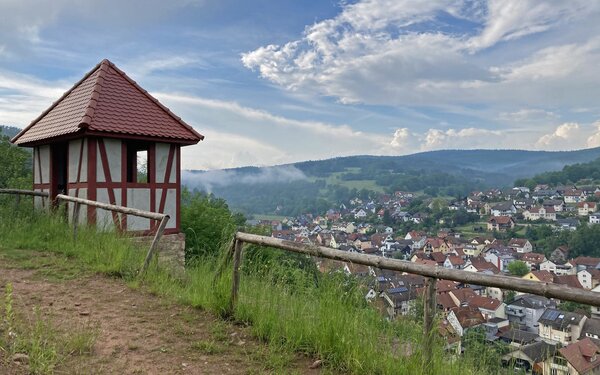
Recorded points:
(163, 218)
(432, 274)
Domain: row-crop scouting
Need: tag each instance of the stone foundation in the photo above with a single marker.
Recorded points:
(170, 251)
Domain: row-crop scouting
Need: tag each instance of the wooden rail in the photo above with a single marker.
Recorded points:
(432, 274)
(163, 218)
(18, 192)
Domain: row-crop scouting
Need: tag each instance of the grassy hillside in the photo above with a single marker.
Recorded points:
(314, 186)
(326, 317)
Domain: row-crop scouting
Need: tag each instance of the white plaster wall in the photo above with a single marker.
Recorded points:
(104, 218)
(162, 157)
(113, 155)
(138, 198)
(40, 202)
(83, 208)
(44, 159)
(74, 152)
(170, 205)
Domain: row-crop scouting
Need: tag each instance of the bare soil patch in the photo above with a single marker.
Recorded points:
(137, 332)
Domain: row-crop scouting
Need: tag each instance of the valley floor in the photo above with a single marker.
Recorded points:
(132, 331)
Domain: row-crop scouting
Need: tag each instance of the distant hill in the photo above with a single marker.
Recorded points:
(312, 186)
(9, 131)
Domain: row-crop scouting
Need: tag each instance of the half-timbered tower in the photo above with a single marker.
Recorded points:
(107, 139)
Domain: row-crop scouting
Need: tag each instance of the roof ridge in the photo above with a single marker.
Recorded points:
(153, 99)
(88, 116)
(57, 102)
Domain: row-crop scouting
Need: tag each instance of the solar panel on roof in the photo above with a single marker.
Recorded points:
(551, 314)
(397, 290)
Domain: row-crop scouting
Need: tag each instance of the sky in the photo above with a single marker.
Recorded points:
(280, 81)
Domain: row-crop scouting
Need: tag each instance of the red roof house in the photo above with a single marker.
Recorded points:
(108, 140)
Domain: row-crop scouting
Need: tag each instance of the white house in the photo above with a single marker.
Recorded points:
(537, 213)
(594, 218)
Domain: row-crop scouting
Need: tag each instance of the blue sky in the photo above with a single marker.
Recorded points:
(271, 82)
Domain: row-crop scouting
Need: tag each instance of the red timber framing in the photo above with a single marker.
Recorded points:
(106, 110)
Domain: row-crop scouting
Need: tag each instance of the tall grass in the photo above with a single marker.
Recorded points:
(328, 319)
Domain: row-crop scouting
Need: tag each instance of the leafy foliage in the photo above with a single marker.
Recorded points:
(207, 222)
(15, 162)
(569, 174)
(518, 268)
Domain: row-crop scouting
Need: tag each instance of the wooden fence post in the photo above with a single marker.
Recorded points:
(76, 206)
(429, 308)
(154, 245)
(17, 202)
(235, 283)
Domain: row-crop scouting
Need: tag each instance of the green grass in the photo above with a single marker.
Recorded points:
(36, 336)
(330, 321)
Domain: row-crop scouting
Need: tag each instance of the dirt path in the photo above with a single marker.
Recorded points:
(138, 333)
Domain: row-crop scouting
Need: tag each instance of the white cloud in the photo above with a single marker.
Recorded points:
(594, 139)
(566, 136)
(370, 53)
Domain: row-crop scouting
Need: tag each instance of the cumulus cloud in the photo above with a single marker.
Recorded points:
(404, 53)
(566, 136)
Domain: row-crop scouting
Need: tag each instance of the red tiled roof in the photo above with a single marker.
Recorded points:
(543, 276)
(107, 101)
(569, 280)
(582, 355)
(484, 303)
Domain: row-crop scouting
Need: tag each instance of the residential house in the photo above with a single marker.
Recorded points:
(525, 311)
(500, 258)
(540, 213)
(557, 204)
(591, 329)
(560, 254)
(490, 308)
(589, 278)
(500, 223)
(503, 209)
(596, 309)
(479, 264)
(544, 194)
(517, 338)
(578, 358)
(594, 218)
(583, 262)
(360, 214)
(586, 208)
(533, 260)
(530, 358)
(464, 318)
(557, 326)
(523, 203)
(399, 300)
(520, 245)
(541, 276)
(454, 262)
(569, 223)
(573, 196)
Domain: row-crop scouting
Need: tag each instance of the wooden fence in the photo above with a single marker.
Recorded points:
(432, 274)
(163, 218)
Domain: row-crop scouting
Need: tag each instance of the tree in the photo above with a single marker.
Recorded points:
(207, 222)
(518, 268)
(15, 165)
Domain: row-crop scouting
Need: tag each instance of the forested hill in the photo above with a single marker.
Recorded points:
(312, 186)
(570, 174)
(9, 131)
